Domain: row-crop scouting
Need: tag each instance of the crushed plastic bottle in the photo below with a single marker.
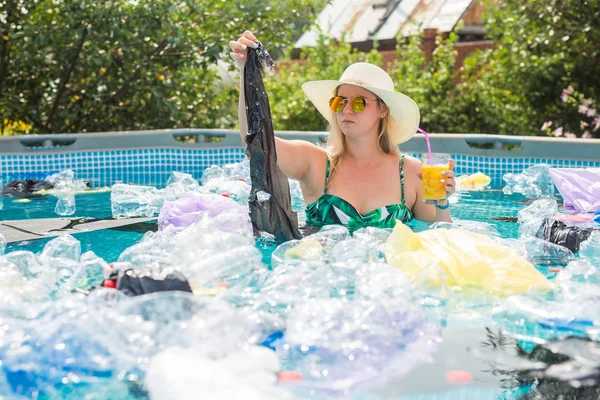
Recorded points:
(178, 184)
(534, 182)
(539, 251)
(65, 204)
(473, 226)
(135, 201)
(336, 344)
(590, 248)
(64, 246)
(2, 244)
(532, 217)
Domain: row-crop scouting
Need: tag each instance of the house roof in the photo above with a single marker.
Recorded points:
(365, 20)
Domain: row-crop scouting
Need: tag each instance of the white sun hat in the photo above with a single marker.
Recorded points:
(404, 111)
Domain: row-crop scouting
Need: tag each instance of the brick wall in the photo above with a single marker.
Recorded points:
(463, 49)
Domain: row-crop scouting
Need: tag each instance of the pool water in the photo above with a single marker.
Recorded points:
(490, 206)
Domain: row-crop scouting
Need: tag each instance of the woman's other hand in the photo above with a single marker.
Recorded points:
(239, 48)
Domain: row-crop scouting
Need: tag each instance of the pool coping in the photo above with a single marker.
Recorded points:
(483, 145)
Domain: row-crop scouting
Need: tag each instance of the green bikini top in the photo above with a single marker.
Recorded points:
(329, 209)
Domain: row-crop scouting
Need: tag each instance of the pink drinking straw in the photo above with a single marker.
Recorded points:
(428, 144)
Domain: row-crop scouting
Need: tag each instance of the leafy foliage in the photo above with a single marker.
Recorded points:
(87, 65)
(81, 66)
(543, 48)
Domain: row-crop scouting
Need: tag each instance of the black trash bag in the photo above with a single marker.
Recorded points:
(26, 188)
(132, 283)
(558, 232)
(587, 388)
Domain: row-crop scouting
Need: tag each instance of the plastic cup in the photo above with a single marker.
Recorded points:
(433, 166)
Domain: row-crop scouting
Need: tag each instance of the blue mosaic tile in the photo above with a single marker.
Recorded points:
(153, 166)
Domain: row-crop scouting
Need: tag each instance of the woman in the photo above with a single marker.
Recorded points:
(361, 179)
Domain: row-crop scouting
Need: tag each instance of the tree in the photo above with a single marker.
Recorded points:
(543, 48)
(88, 65)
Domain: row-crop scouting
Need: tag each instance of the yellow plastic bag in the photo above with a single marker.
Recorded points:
(478, 181)
(471, 260)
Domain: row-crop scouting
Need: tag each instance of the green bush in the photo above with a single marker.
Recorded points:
(88, 65)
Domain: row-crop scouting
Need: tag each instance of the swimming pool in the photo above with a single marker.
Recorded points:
(476, 206)
(458, 320)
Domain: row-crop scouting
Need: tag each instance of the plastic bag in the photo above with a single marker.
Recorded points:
(471, 260)
(187, 210)
(476, 182)
(579, 187)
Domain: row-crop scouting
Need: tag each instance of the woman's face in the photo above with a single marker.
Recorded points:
(354, 124)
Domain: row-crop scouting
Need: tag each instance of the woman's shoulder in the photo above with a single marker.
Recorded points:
(411, 163)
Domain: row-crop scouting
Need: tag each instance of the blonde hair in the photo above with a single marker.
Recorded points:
(336, 141)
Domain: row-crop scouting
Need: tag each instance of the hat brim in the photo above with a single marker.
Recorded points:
(403, 110)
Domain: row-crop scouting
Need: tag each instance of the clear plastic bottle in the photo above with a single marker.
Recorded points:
(590, 249)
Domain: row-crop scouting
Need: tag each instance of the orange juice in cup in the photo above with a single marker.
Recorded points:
(433, 188)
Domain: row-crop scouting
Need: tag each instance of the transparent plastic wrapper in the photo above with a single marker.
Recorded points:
(104, 336)
(297, 251)
(534, 182)
(472, 226)
(533, 318)
(532, 217)
(65, 179)
(17, 289)
(186, 210)
(331, 234)
(578, 282)
(579, 187)
(338, 345)
(213, 172)
(290, 283)
(153, 249)
(354, 249)
(539, 251)
(298, 203)
(163, 319)
(231, 180)
(64, 246)
(39, 353)
(589, 249)
(178, 184)
(224, 269)
(316, 247)
(471, 260)
(1, 197)
(135, 201)
(212, 252)
(91, 272)
(187, 374)
(147, 201)
(234, 171)
(2, 244)
(571, 308)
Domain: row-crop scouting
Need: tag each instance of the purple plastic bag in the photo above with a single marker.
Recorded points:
(579, 187)
(177, 215)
